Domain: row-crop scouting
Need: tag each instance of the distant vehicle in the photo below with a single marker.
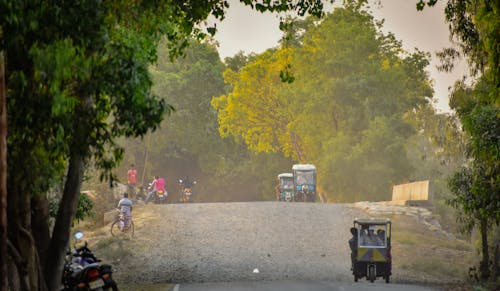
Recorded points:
(186, 186)
(304, 182)
(371, 249)
(285, 187)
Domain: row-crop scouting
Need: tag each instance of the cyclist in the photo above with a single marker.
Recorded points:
(125, 206)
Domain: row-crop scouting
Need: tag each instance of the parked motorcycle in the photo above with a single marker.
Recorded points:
(83, 271)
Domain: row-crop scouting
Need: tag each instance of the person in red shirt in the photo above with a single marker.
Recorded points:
(132, 180)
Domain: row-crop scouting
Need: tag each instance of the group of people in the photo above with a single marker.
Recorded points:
(157, 185)
(367, 237)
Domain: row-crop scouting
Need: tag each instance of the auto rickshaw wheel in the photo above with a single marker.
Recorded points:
(371, 273)
(387, 279)
(355, 278)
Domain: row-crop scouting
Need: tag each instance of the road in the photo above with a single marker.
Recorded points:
(299, 286)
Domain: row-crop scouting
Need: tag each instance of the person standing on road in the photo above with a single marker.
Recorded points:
(132, 180)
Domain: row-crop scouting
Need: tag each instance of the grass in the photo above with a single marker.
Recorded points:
(406, 238)
(438, 268)
(115, 247)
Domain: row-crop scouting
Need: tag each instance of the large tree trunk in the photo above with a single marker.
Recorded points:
(62, 227)
(24, 264)
(484, 268)
(40, 226)
(3, 177)
(496, 258)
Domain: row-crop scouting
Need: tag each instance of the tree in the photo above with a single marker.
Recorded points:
(475, 26)
(78, 80)
(363, 85)
(3, 177)
(188, 143)
(258, 108)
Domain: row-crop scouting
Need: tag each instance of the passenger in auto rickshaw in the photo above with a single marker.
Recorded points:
(370, 238)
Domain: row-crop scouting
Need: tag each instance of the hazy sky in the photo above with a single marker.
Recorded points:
(246, 30)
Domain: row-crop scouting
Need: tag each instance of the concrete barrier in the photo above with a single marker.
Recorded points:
(415, 191)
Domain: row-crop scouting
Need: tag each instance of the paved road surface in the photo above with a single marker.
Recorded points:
(299, 286)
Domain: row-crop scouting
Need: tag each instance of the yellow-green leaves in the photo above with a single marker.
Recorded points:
(343, 112)
(258, 108)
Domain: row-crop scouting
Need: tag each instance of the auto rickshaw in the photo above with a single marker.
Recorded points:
(285, 181)
(371, 249)
(304, 182)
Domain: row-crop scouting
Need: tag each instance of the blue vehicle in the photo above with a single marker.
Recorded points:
(304, 182)
(285, 187)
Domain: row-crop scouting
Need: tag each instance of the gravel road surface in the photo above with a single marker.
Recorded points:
(225, 242)
(298, 286)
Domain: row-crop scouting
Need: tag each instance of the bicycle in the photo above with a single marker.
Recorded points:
(121, 226)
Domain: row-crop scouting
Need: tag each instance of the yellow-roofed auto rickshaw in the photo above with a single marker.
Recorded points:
(371, 249)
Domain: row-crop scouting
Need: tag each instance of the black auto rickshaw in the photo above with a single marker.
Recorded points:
(304, 182)
(371, 249)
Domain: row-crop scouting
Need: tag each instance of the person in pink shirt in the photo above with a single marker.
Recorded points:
(160, 184)
(155, 186)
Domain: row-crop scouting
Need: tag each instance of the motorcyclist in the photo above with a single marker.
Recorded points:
(186, 183)
(156, 185)
(152, 188)
(125, 206)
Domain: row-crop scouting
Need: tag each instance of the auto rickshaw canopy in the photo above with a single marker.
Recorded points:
(285, 175)
(372, 221)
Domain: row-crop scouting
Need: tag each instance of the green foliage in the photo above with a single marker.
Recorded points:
(77, 81)
(188, 142)
(84, 208)
(348, 119)
(476, 186)
(239, 60)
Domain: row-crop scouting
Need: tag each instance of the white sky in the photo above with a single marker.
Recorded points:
(247, 30)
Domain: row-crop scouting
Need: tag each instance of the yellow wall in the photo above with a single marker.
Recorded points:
(411, 191)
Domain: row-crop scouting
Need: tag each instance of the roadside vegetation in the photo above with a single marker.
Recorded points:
(89, 88)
